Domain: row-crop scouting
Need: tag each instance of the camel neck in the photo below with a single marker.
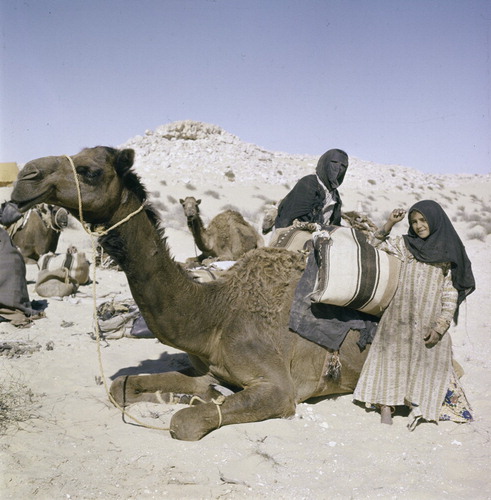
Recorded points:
(199, 233)
(158, 284)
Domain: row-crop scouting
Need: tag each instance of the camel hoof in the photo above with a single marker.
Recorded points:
(187, 424)
(386, 415)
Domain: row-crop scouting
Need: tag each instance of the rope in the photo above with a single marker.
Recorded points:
(94, 297)
(218, 402)
(97, 232)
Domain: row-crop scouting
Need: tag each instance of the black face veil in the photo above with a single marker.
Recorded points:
(331, 168)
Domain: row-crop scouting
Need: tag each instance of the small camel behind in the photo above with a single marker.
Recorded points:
(227, 237)
(38, 231)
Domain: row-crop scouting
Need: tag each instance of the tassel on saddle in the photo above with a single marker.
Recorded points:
(332, 369)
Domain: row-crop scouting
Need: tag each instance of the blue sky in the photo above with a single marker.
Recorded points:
(390, 81)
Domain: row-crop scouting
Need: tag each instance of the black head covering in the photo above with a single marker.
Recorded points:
(442, 245)
(331, 168)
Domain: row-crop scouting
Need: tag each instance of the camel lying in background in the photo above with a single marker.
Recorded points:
(228, 236)
(38, 232)
(270, 212)
(235, 329)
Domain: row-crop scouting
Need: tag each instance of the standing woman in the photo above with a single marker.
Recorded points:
(410, 360)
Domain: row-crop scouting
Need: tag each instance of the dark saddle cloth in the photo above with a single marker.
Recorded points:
(324, 324)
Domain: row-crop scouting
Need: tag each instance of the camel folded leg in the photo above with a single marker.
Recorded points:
(252, 404)
(169, 387)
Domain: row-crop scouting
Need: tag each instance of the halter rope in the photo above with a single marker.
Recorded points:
(99, 232)
(92, 235)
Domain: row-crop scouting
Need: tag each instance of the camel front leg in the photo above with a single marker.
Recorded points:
(168, 387)
(252, 404)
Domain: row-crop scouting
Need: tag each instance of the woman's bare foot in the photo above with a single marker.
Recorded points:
(385, 415)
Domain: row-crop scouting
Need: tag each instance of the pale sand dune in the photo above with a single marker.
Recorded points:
(78, 446)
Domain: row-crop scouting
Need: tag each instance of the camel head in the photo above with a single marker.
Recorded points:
(269, 217)
(191, 207)
(103, 175)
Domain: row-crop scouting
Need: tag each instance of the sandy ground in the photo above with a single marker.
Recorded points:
(78, 446)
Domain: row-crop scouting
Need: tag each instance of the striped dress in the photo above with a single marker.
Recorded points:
(400, 369)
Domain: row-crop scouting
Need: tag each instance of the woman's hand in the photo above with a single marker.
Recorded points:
(395, 216)
(432, 338)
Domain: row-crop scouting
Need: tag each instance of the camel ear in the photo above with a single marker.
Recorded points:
(124, 160)
(198, 202)
(181, 201)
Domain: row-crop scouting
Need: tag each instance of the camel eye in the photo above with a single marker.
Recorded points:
(89, 175)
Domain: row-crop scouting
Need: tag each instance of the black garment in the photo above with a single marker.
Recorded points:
(13, 285)
(9, 213)
(305, 201)
(442, 245)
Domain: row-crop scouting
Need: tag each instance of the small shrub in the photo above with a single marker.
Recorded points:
(160, 205)
(17, 403)
(230, 207)
(213, 194)
(371, 181)
(476, 234)
(190, 187)
(230, 175)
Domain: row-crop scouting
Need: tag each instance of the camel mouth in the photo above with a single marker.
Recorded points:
(25, 205)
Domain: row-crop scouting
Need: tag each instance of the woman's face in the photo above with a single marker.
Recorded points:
(419, 224)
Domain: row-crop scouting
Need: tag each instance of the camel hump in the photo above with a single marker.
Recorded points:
(232, 216)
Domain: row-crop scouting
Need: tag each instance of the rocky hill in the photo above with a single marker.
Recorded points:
(196, 152)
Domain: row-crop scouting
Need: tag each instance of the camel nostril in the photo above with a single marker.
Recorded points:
(29, 173)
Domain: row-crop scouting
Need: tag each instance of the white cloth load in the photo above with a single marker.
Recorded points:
(352, 273)
(77, 264)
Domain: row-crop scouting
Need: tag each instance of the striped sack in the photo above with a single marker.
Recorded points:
(352, 273)
(76, 263)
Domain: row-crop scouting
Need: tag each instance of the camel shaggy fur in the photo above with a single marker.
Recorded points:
(270, 212)
(235, 329)
(228, 236)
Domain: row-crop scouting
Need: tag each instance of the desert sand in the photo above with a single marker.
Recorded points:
(73, 444)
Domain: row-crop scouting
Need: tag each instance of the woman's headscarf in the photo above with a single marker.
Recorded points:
(442, 245)
(331, 168)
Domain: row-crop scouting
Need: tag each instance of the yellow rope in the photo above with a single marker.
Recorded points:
(94, 296)
(218, 402)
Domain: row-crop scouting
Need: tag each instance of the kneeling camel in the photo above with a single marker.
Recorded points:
(228, 235)
(235, 330)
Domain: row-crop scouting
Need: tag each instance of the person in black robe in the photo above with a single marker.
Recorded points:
(315, 197)
(15, 305)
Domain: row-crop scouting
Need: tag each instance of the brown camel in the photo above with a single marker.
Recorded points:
(235, 329)
(228, 236)
(270, 213)
(38, 232)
